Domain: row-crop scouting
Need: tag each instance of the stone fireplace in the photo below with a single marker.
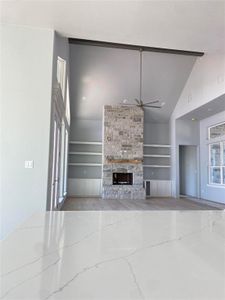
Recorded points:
(123, 153)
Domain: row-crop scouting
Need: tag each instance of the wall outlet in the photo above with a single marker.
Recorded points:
(29, 164)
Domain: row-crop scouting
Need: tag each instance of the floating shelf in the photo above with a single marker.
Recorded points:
(156, 166)
(157, 155)
(123, 161)
(85, 143)
(85, 153)
(86, 164)
(157, 145)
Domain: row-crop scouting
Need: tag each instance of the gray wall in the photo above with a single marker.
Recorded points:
(187, 133)
(25, 122)
(203, 85)
(209, 192)
(157, 133)
(91, 130)
(106, 76)
(86, 130)
(188, 170)
(101, 76)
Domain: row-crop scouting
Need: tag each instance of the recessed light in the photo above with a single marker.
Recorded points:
(84, 98)
(193, 119)
(124, 100)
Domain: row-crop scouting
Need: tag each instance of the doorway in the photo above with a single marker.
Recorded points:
(189, 171)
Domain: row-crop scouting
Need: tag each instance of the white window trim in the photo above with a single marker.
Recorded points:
(219, 138)
(222, 145)
(61, 77)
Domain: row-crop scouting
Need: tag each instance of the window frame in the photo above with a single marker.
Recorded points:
(61, 74)
(210, 127)
(212, 141)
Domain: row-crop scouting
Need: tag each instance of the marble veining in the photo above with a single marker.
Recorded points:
(116, 255)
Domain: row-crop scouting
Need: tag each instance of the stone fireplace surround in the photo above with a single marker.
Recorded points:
(123, 151)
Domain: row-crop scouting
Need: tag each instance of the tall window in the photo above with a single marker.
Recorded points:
(216, 134)
(61, 74)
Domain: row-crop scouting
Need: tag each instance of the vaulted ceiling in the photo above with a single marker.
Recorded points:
(188, 25)
(108, 76)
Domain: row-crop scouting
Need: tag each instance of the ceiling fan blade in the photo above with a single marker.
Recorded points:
(127, 104)
(152, 102)
(152, 106)
(141, 102)
(138, 102)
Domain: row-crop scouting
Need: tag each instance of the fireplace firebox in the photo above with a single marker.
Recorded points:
(122, 178)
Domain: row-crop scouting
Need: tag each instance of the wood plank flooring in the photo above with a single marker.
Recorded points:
(80, 204)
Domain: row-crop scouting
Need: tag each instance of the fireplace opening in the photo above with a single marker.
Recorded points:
(122, 178)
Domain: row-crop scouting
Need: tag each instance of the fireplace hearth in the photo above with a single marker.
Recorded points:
(122, 178)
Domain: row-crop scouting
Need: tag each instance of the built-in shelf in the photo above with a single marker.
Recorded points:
(157, 145)
(91, 152)
(85, 143)
(156, 166)
(86, 164)
(157, 155)
(85, 153)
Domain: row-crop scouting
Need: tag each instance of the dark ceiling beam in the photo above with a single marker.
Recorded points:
(133, 47)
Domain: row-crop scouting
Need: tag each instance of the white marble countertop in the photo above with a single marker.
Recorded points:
(116, 255)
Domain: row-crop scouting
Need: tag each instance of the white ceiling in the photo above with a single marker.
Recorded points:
(188, 25)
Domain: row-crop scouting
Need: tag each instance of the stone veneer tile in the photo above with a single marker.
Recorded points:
(123, 139)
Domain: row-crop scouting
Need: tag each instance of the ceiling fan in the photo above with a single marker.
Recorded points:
(139, 102)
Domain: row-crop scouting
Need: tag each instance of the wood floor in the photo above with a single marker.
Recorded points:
(148, 204)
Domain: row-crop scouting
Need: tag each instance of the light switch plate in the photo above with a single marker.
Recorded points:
(29, 164)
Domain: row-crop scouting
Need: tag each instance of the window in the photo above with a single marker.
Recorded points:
(217, 131)
(217, 154)
(61, 74)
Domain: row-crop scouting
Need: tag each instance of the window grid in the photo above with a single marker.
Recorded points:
(220, 167)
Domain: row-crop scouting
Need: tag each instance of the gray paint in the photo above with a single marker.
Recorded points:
(188, 134)
(164, 77)
(156, 133)
(91, 130)
(25, 122)
(86, 130)
(205, 83)
(103, 76)
(188, 170)
(106, 76)
(209, 192)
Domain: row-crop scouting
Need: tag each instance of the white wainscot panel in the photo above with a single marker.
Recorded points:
(84, 187)
(160, 188)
